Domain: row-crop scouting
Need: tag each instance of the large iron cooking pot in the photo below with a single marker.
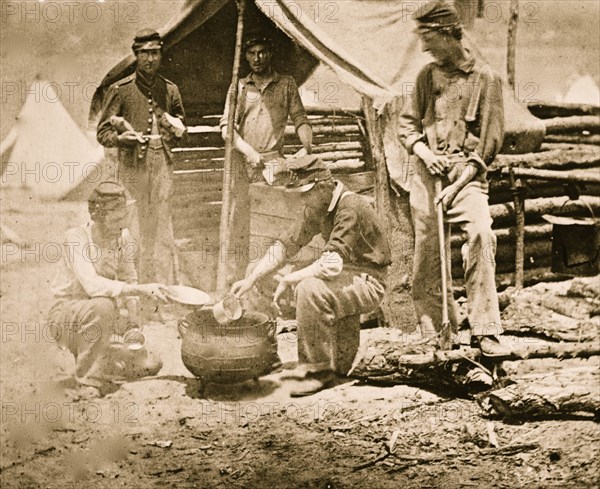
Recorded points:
(227, 353)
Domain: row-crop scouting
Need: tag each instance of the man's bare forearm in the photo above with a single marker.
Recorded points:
(271, 261)
(305, 135)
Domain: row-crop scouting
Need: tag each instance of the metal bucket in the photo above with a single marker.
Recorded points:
(575, 243)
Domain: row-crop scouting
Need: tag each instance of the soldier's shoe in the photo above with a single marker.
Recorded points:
(491, 347)
(313, 382)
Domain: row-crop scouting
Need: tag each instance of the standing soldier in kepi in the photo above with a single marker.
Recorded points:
(142, 115)
(265, 101)
(452, 126)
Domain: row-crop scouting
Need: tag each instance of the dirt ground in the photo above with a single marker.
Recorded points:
(159, 432)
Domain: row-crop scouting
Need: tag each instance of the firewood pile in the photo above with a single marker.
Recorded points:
(545, 325)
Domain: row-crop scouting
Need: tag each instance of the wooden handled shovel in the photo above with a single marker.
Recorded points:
(444, 336)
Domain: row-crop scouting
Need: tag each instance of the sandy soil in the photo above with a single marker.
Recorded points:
(159, 432)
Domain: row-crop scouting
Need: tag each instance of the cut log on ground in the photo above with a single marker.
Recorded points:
(551, 316)
(585, 287)
(409, 363)
(567, 392)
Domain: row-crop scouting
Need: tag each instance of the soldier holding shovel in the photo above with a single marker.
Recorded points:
(452, 127)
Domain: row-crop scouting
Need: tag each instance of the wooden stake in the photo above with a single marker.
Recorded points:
(513, 20)
(225, 235)
(519, 198)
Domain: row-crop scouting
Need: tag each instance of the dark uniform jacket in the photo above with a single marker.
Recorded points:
(135, 101)
(350, 227)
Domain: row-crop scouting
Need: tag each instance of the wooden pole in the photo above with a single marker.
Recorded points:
(513, 21)
(517, 189)
(225, 234)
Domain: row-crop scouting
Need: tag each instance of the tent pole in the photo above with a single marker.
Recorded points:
(513, 20)
(225, 232)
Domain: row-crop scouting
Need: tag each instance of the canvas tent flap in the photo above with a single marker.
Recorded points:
(371, 45)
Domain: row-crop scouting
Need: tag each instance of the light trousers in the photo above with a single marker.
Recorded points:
(470, 211)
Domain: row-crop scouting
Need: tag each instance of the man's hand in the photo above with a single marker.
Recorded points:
(156, 291)
(281, 288)
(436, 164)
(447, 196)
(129, 138)
(240, 287)
(253, 157)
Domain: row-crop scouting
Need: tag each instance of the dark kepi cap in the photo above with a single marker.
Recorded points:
(146, 40)
(305, 172)
(107, 196)
(254, 40)
(435, 15)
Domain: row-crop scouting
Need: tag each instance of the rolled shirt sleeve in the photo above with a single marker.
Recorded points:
(491, 117)
(410, 122)
(81, 254)
(295, 107)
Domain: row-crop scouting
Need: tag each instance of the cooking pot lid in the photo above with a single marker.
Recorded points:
(187, 295)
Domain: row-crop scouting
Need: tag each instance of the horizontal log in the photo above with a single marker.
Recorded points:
(532, 276)
(535, 250)
(532, 232)
(334, 111)
(199, 196)
(326, 147)
(575, 176)
(316, 121)
(191, 163)
(549, 315)
(535, 208)
(340, 155)
(333, 129)
(588, 287)
(561, 125)
(545, 110)
(573, 139)
(345, 166)
(552, 157)
(534, 189)
(573, 390)
(387, 357)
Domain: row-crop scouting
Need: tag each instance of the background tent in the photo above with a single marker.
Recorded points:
(47, 152)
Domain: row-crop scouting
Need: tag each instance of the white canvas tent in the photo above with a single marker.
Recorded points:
(47, 153)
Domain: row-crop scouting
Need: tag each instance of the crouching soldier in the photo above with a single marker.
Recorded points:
(95, 276)
(348, 278)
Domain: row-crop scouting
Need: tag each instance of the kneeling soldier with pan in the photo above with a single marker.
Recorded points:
(96, 272)
(349, 277)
